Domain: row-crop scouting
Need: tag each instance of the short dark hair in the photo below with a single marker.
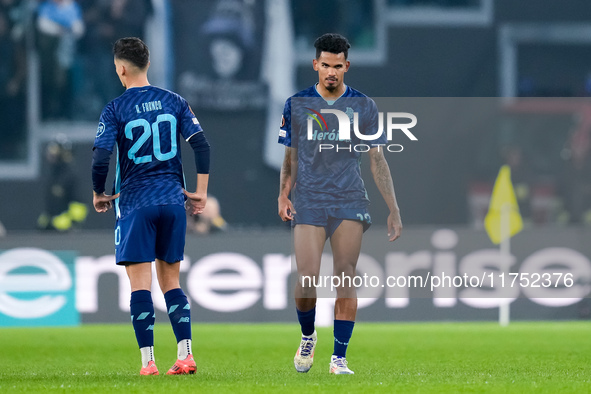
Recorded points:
(333, 43)
(133, 50)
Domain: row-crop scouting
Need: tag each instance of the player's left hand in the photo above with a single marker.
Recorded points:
(196, 202)
(102, 202)
(394, 226)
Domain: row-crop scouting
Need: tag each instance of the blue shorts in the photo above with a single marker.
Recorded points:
(331, 218)
(149, 233)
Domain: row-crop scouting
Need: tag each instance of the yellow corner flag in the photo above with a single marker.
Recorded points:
(503, 202)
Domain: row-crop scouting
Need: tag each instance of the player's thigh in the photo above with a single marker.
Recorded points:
(308, 246)
(345, 243)
(140, 276)
(171, 228)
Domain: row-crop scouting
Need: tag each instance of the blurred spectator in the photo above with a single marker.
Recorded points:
(106, 21)
(209, 221)
(12, 78)
(101, 85)
(60, 25)
(354, 19)
(435, 3)
(230, 38)
(62, 211)
(522, 177)
(130, 17)
(575, 181)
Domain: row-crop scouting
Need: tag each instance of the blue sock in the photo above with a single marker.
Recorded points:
(342, 334)
(142, 317)
(307, 320)
(179, 313)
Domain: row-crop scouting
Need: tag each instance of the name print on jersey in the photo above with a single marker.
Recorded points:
(149, 106)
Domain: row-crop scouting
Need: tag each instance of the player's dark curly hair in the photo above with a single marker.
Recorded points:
(133, 50)
(333, 43)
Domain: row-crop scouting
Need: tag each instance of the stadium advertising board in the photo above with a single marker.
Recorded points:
(431, 274)
(37, 288)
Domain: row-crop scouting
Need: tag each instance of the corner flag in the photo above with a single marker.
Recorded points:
(503, 202)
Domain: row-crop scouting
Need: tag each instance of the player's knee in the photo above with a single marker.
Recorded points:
(308, 280)
(346, 268)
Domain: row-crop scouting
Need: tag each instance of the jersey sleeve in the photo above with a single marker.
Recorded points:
(285, 128)
(189, 125)
(106, 134)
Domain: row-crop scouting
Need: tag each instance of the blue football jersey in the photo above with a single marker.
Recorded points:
(146, 124)
(329, 161)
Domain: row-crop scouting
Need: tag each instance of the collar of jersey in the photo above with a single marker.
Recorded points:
(330, 102)
(139, 87)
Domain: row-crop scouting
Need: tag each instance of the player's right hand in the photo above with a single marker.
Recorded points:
(102, 202)
(286, 210)
(394, 226)
(195, 204)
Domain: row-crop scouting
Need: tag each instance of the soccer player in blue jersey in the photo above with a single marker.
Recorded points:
(146, 124)
(328, 194)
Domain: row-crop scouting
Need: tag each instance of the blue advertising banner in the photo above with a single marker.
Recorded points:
(37, 288)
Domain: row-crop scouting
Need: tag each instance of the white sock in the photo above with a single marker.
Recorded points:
(147, 355)
(184, 349)
(309, 336)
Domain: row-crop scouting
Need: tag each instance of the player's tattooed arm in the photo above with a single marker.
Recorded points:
(285, 207)
(383, 180)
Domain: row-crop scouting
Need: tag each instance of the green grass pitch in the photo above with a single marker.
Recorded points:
(237, 358)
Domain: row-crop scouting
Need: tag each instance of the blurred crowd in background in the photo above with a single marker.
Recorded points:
(13, 22)
(71, 41)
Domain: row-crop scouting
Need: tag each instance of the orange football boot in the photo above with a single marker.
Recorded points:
(183, 367)
(150, 369)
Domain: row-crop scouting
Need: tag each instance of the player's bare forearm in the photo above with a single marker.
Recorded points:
(196, 201)
(383, 179)
(285, 208)
(202, 183)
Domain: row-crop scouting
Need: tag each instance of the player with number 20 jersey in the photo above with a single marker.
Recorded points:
(146, 124)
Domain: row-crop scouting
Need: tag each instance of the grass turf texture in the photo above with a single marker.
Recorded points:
(427, 357)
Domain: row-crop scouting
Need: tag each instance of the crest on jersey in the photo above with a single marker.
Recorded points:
(100, 130)
(349, 112)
